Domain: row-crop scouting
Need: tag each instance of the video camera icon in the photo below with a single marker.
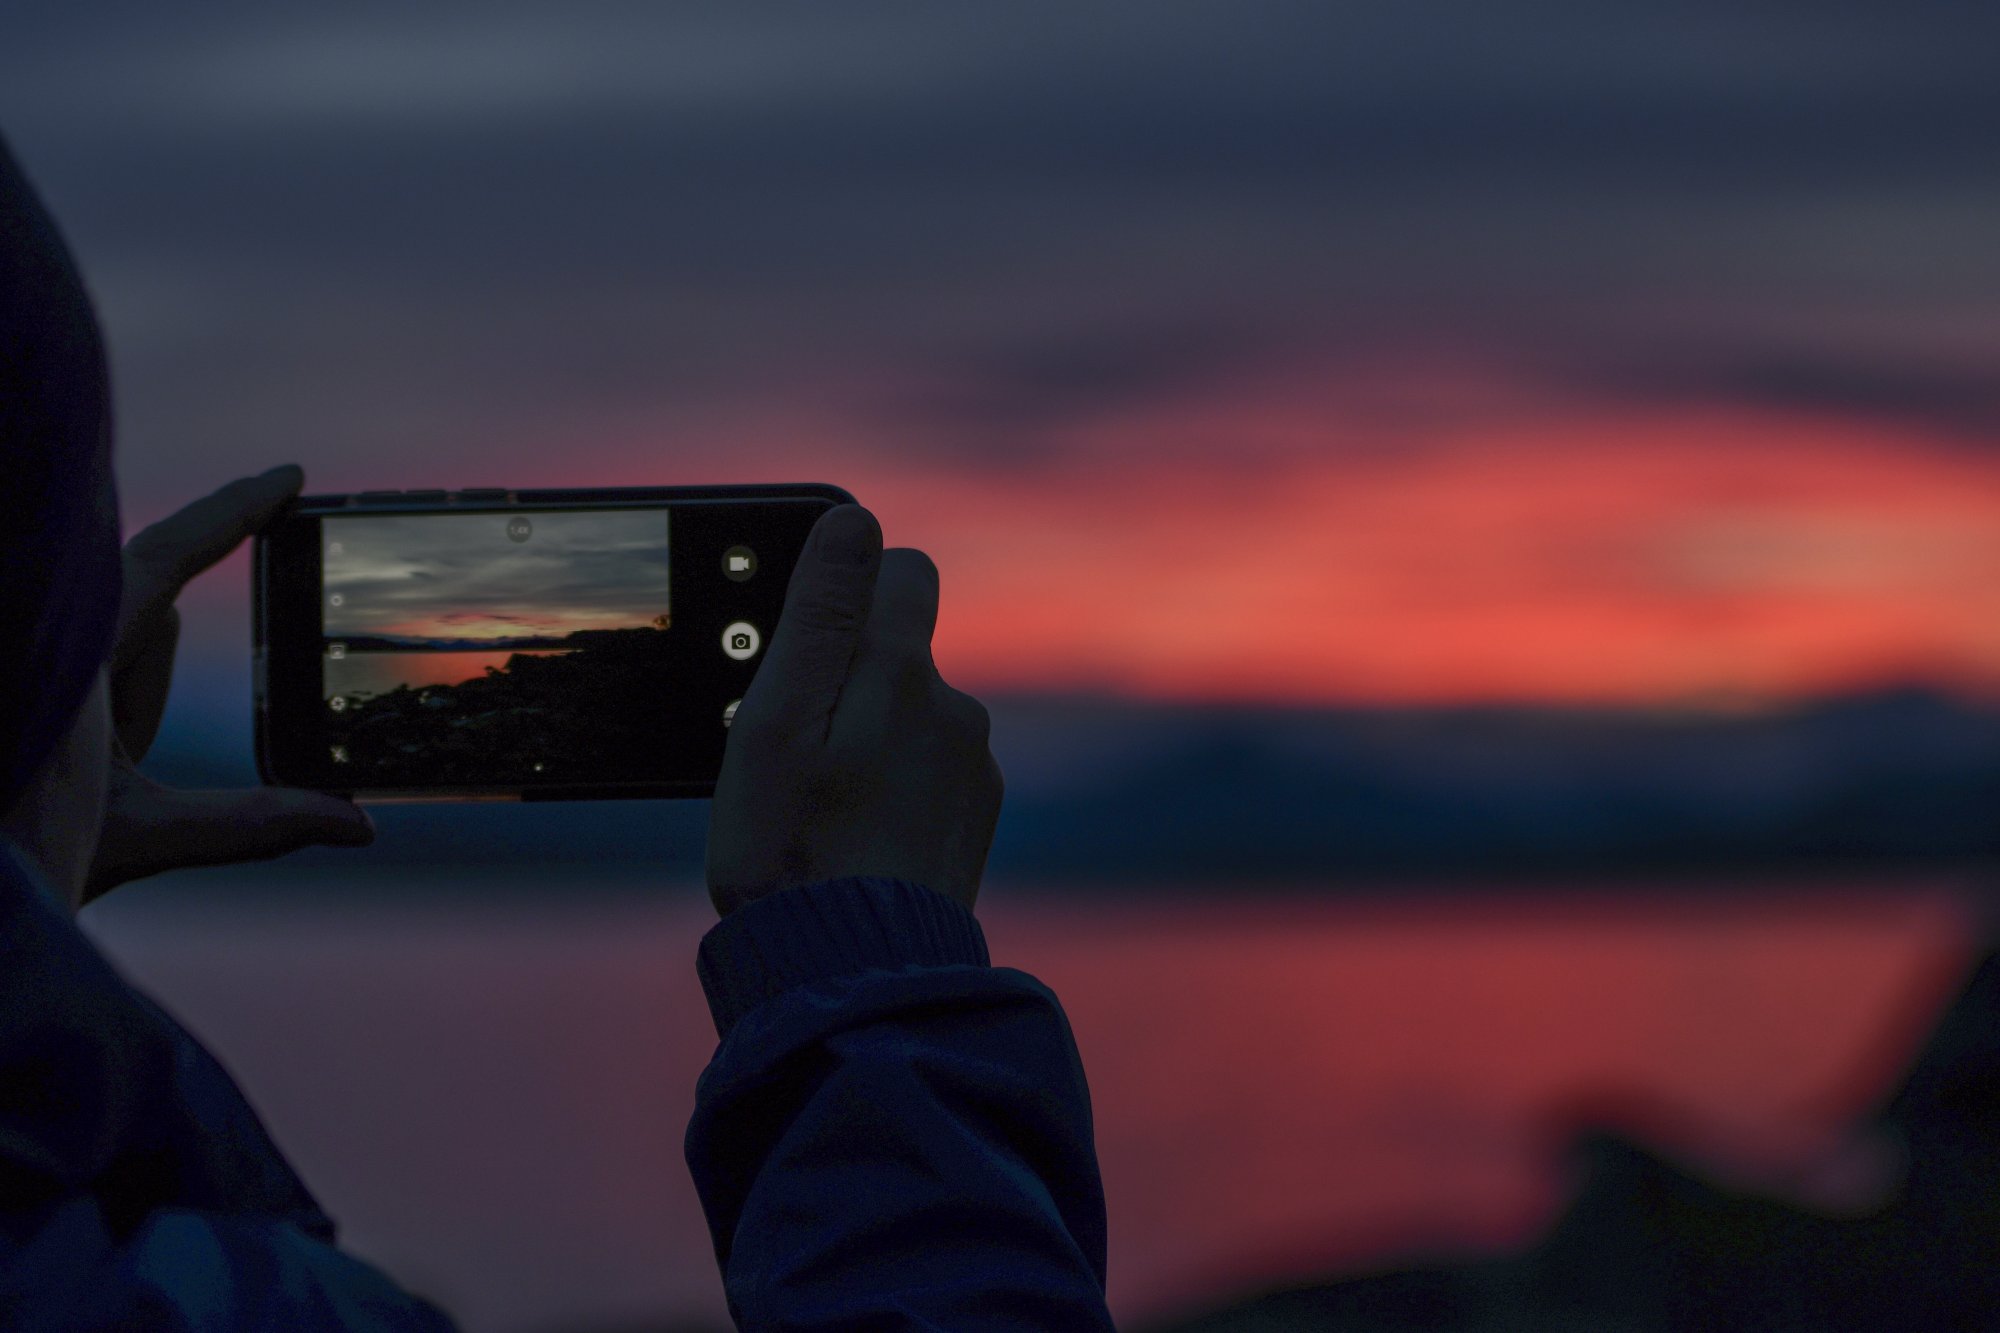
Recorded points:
(741, 641)
(739, 563)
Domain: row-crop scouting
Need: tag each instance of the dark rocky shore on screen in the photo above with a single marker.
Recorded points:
(591, 709)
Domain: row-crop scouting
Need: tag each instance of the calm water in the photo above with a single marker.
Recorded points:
(491, 1097)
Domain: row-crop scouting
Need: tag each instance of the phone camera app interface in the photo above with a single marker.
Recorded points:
(495, 648)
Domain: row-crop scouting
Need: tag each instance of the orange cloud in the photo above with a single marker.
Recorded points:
(1610, 559)
(1432, 538)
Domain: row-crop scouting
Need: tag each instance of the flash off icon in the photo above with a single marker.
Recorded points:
(519, 529)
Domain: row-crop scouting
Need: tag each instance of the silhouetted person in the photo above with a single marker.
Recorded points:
(892, 1135)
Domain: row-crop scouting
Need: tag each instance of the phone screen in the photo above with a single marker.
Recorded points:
(496, 647)
(518, 645)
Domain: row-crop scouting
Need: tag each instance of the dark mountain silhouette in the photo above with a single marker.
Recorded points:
(1117, 791)
(405, 643)
(1259, 793)
(408, 643)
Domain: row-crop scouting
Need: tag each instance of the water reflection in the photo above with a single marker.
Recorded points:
(489, 1089)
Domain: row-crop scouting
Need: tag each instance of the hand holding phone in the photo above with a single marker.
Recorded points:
(850, 755)
(149, 828)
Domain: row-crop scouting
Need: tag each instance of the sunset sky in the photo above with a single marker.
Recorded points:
(1251, 351)
(1224, 355)
(461, 576)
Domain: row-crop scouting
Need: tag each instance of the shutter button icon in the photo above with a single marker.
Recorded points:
(741, 641)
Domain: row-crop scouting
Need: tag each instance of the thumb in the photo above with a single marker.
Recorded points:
(826, 605)
(156, 829)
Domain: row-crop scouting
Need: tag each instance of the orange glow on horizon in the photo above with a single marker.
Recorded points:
(1714, 557)
(1707, 556)
(1287, 545)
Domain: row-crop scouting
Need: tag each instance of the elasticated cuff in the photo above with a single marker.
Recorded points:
(835, 928)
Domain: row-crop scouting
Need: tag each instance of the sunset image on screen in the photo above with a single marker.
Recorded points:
(494, 648)
(491, 580)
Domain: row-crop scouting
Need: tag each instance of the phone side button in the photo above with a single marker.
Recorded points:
(379, 498)
(423, 497)
(484, 495)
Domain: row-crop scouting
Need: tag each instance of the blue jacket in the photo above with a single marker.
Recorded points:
(892, 1135)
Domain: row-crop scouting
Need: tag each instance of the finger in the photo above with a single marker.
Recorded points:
(155, 829)
(826, 608)
(257, 823)
(142, 673)
(892, 669)
(906, 603)
(161, 559)
(895, 649)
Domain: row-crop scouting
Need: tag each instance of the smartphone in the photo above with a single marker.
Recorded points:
(517, 645)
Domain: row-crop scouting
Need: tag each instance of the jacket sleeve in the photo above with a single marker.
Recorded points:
(893, 1135)
(186, 1271)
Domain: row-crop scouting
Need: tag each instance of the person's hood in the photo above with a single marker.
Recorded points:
(59, 541)
(101, 1092)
